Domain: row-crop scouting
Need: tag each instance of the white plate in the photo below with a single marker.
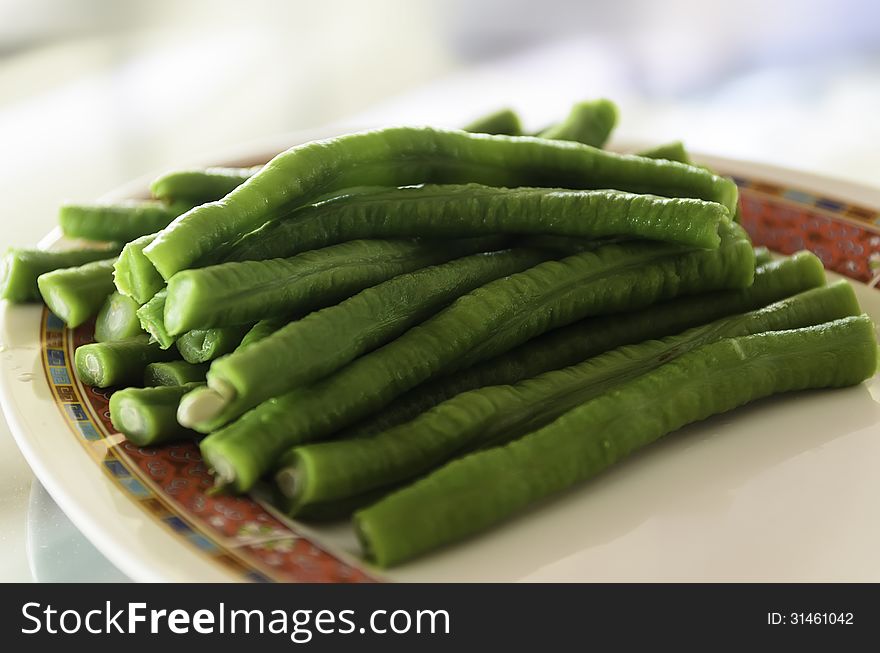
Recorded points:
(785, 489)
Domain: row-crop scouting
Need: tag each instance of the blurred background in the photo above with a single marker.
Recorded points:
(96, 92)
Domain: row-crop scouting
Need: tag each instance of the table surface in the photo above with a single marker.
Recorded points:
(822, 122)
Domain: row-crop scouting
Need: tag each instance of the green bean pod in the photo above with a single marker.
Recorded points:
(239, 293)
(76, 294)
(229, 340)
(330, 471)
(479, 490)
(404, 156)
(566, 346)
(322, 342)
(203, 345)
(470, 210)
(119, 221)
(503, 313)
(152, 319)
(21, 267)
(117, 319)
(200, 185)
(134, 275)
(117, 363)
(174, 373)
(590, 123)
(674, 151)
(263, 329)
(148, 416)
(504, 121)
(630, 288)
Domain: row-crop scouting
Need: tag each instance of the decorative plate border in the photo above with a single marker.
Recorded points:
(170, 482)
(845, 236)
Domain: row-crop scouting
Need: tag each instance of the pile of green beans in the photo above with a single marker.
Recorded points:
(495, 414)
(403, 156)
(425, 331)
(476, 491)
(309, 349)
(568, 345)
(479, 325)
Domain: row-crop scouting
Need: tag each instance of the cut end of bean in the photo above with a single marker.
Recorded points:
(90, 368)
(224, 476)
(222, 387)
(128, 419)
(117, 319)
(200, 406)
(181, 291)
(289, 481)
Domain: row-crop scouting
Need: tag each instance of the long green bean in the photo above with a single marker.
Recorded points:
(203, 345)
(592, 336)
(229, 340)
(468, 210)
(329, 471)
(674, 151)
(323, 342)
(200, 185)
(205, 185)
(134, 275)
(590, 123)
(76, 294)
(406, 155)
(503, 121)
(734, 267)
(147, 416)
(20, 268)
(239, 293)
(119, 221)
(474, 492)
(264, 329)
(118, 363)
